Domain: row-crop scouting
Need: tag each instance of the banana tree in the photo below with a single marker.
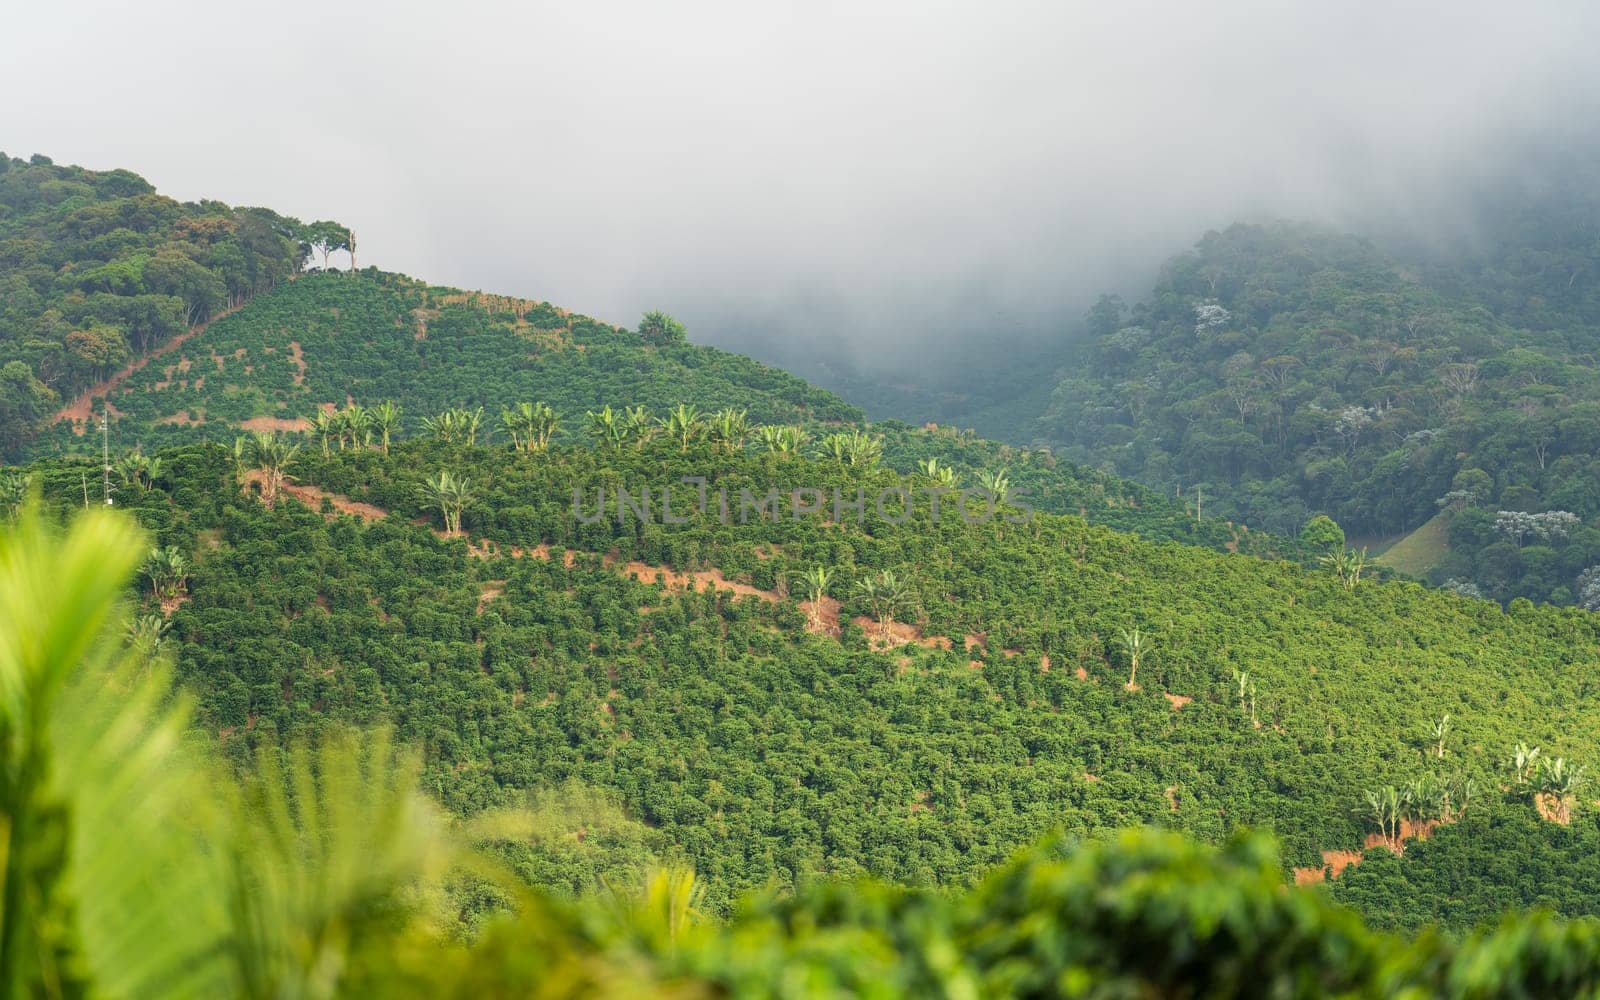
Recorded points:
(138, 469)
(996, 483)
(884, 594)
(272, 455)
(451, 495)
(1347, 566)
(385, 422)
(683, 424)
(608, 427)
(730, 429)
(1137, 645)
(325, 425)
(816, 581)
(940, 473)
(168, 572)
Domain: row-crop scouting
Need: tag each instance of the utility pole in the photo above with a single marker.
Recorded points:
(105, 451)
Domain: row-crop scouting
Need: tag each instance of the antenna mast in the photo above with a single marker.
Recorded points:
(105, 451)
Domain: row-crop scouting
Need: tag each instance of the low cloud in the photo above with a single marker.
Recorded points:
(867, 182)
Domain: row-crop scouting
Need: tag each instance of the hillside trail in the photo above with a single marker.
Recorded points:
(81, 410)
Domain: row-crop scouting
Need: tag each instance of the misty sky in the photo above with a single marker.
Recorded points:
(875, 178)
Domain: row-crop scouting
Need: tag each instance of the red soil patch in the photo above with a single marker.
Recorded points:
(1044, 663)
(1081, 673)
(822, 616)
(299, 361)
(919, 803)
(82, 409)
(1553, 810)
(892, 633)
(491, 590)
(312, 497)
(1332, 861)
(1178, 700)
(1091, 778)
(1172, 797)
(1338, 861)
(696, 581)
(275, 424)
(181, 419)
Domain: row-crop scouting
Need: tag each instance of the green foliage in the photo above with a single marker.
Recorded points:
(1291, 370)
(325, 340)
(758, 748)
(1323, 535)
(659, 328)
(322, 872)
(95, 268)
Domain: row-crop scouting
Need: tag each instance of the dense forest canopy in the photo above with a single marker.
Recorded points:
(96, 268)
(1287, 370)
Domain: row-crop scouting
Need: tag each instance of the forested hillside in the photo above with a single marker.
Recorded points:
(97, 269)
(912, 700)
(515, 647)
(1285, 370)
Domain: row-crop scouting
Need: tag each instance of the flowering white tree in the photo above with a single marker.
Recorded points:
(1546, 526)
(1210, 316)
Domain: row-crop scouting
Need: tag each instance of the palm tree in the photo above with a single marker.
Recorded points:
(1441, 730)
(471, 423)
(683, 423)
(272, 455)
(240, 453)
(341, 428)
(1137, 645)
(451, 495)
(816, 581)
(168, 572)
(385, 421)
(1387, 806)
(546, 421)
(1524, 763)
(835, 446)
(179, 880)
(854, 448)
(863, 449)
